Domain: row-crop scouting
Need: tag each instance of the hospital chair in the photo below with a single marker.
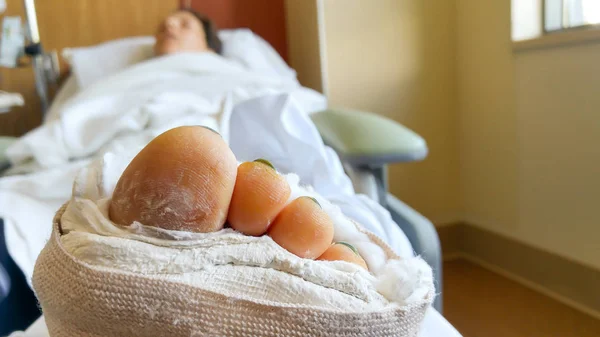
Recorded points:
(366, 143)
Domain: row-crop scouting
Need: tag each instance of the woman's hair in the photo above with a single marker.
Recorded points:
(210, 30)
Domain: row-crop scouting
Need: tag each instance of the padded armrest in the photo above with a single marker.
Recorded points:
(5, 142)
(363, 138)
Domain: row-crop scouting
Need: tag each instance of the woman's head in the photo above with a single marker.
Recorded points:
(186, 31)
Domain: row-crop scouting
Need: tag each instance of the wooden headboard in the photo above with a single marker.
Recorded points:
(264, 17)
(71, 23)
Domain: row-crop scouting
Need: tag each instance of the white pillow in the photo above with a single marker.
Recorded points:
(89, 64)
(252, 51)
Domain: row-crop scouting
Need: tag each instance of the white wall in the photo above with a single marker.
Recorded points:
(558, 128)
(514, 136)
(487, 115)
(396, 58)
(302, 25)
(530, 135)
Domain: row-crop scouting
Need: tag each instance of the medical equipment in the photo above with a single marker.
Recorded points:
(18, 42)
(12, 41)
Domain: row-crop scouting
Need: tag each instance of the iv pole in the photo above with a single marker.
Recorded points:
(45, 66)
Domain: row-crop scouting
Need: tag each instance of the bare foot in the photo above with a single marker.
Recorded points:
(187, 179)
(182, 180)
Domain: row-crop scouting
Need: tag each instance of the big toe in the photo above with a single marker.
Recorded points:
(182, 180)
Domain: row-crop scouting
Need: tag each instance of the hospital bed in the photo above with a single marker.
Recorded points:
(366, 143)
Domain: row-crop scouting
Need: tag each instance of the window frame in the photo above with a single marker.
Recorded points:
(585, 26)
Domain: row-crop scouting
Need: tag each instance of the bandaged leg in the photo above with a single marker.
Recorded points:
(186, 242)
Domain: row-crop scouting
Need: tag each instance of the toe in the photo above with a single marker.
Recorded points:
(260, 193)
(182, 180)
(303, 228)
(342, 251)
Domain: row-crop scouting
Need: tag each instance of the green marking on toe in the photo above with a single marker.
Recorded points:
(211, 129)
(266, 162)
(349, 246)
(316, 202)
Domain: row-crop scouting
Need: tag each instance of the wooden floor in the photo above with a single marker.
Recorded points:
(480, 303)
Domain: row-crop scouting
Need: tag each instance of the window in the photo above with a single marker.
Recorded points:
(564, 14)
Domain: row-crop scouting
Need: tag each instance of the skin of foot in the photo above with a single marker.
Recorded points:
(260, 193)
(182, 180)
(188, 179)
(342, 251)
(303, 228)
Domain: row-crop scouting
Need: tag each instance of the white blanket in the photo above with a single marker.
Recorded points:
(260, 116)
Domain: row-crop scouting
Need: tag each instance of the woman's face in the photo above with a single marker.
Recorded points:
(180, 32)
